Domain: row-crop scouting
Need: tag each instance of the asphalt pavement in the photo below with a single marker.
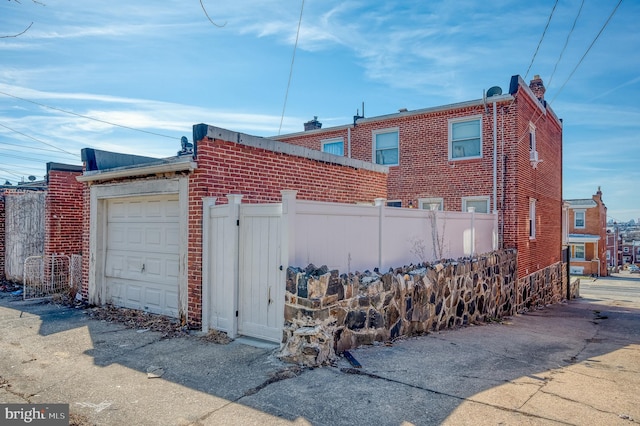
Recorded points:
(573, 363)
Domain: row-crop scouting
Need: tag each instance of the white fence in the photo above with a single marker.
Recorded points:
(247, 248)
(351, 237)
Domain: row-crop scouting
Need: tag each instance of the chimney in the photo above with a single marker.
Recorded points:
(537, 87)
(312, 124)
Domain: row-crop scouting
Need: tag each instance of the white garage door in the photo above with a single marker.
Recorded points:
(142, 253)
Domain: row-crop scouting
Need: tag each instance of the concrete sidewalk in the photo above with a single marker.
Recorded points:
(575, 363)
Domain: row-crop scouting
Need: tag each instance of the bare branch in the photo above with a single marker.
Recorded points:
(207, 15)
(19, 34)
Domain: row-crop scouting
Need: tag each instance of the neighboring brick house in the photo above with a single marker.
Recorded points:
(501, 154)
(587, 239)
(143, 222)
(60, 217)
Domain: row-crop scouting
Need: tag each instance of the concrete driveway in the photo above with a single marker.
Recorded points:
(574, 363)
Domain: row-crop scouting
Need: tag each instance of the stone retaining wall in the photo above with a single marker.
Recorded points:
(327, 313)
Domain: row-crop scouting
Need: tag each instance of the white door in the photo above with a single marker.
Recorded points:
(261, 280)
(142, 253)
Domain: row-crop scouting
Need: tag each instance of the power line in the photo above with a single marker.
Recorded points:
(87, 117)
(33, 147)
(37, 140)
(295, 46)
(541, 38)
(566, 42)
(587, 51)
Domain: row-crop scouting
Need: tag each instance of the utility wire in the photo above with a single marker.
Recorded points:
(295, 46)
(37, 140)
(566, 42)
(87, 117)
(33, 147)
(541, 38)
(587, 51)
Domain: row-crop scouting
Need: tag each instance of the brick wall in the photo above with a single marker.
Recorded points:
(259, 175)
(425, 170)
(63, 213)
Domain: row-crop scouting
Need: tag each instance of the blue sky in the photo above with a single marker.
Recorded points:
(161, 67)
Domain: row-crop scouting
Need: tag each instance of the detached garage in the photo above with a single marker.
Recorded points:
(138, 232)
(144, 242)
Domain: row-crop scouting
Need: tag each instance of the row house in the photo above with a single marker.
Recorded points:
(500, 154)
(587, 235)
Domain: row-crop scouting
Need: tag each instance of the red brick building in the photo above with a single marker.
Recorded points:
(587, 239)
(501, 154)
(143, 223)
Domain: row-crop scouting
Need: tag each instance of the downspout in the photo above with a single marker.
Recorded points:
(349, 142)
(495, 160)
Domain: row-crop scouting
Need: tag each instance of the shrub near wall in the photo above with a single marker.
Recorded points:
(326, 313)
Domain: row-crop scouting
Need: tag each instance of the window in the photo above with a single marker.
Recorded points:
(333, 146)
(385, 147)
(625, 249)
(579, 219)
(577, 251)
(465, 139)
(532, 138)
(532, 218)
(430, 203)
(608, 254)
(481, 204)
(394, 203)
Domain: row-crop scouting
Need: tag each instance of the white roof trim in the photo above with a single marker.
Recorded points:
(138, 170)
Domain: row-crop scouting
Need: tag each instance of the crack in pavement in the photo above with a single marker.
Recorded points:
(361, 372)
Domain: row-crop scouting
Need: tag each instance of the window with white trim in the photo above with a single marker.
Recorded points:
(532, 218)
(578, 219)
(386, 147)
(481, 204)
(432, 203)
(393, 203)
(625, 249)
(465, 138)
(577, 251)
(532, 138)
(333, 146)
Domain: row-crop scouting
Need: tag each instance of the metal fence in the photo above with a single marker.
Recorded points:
(52, 274)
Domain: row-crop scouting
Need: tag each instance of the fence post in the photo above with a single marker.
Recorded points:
(207, 203)
(472, 210)
(380, 203)
(288, 230)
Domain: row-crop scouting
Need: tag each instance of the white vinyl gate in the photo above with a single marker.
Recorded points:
(243, 275)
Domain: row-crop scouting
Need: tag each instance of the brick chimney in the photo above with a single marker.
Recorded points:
(537, 87)
(312, 124)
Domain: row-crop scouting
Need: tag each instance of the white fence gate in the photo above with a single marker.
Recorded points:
(45, 276)
(243, 276)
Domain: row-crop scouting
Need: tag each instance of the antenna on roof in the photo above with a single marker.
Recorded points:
(358, 116)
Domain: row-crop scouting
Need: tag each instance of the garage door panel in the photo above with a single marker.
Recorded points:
(142, 253)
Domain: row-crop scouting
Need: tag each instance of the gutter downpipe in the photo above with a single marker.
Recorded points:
(496, 237)
(349, 142)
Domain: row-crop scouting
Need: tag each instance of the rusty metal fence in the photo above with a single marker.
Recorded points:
(45, 276)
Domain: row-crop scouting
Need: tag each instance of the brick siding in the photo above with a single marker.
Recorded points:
(63, 213)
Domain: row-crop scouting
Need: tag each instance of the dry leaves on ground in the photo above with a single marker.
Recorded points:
(139, 320)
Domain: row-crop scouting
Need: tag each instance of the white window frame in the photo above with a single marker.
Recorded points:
(532, 218)
(374, 135)
(389, 203)
(575, 219)
(325, 142)
(454, 121)
(625, 249)
(485, 198)
(573, 252)
(425, 203)
(532, 138)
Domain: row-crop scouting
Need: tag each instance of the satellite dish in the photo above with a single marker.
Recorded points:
(494, 91)
(31, 178)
